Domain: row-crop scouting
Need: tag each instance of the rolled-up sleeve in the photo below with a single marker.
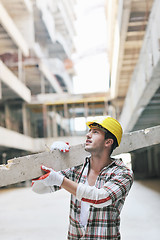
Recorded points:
(113, 190)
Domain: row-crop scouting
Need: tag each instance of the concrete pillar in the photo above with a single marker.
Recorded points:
(48, 123)
(20, 67)
(111, 110)
(7, 116)
(42, 84)
(117, 112)
(146, 162)
(61, 125)
(86, 112)
(94, 111)
(26, 121)
(54, 123)
(105, 112)
(4, 158)
(66, 115)
(44, 110)
(156, 160)
(73, 117)
(150, 163)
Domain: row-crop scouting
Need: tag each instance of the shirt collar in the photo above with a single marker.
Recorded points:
(116, 161)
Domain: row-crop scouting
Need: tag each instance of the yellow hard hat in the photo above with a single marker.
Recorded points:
(111, 125)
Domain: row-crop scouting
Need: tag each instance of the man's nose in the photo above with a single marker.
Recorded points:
(88, 134)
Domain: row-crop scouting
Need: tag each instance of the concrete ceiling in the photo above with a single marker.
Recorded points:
(134, 26)
(151, 114)
(30, 71)
(133, 30)
(55, 49)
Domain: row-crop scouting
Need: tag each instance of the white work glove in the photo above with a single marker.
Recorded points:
(45, 183)
(60, 145)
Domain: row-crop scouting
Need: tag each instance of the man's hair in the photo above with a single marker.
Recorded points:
(108, 135)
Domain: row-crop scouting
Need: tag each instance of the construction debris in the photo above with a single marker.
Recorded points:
(28, 167)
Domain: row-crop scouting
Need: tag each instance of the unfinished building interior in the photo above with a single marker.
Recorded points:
(37, 102)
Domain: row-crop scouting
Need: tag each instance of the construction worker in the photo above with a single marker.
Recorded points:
(98, 187)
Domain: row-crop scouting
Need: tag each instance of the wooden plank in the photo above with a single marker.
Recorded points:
(136, 33)
(28, 167)
(140, 23)
(133, 44)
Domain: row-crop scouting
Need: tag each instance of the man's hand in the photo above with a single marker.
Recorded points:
(60, 145)
(45, 183)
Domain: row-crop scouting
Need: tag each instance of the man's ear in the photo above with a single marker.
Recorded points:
(109, 142)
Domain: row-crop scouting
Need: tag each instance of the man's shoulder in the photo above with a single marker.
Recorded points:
(77, 168)
(119, 167)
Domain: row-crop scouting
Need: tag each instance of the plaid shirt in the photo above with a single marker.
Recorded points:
(106, 200)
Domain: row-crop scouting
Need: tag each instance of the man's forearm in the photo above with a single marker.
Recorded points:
(94, 196)
(69, 186)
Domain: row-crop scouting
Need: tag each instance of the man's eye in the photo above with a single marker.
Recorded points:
(95, 131)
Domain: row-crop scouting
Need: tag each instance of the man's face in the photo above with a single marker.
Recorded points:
(95, 141)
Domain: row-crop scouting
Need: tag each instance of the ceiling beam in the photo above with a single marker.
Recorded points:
(13, 31)
(14, 83)
(50, 77)
(136, 24)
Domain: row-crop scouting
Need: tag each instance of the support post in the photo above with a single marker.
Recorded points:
(44, 110)
(20, 66)
(54, 123)
(25, 120)
(42, 84)
(67, 130)
(86, 112)
(7, 117)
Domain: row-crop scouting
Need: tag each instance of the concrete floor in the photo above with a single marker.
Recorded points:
(25, 215)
